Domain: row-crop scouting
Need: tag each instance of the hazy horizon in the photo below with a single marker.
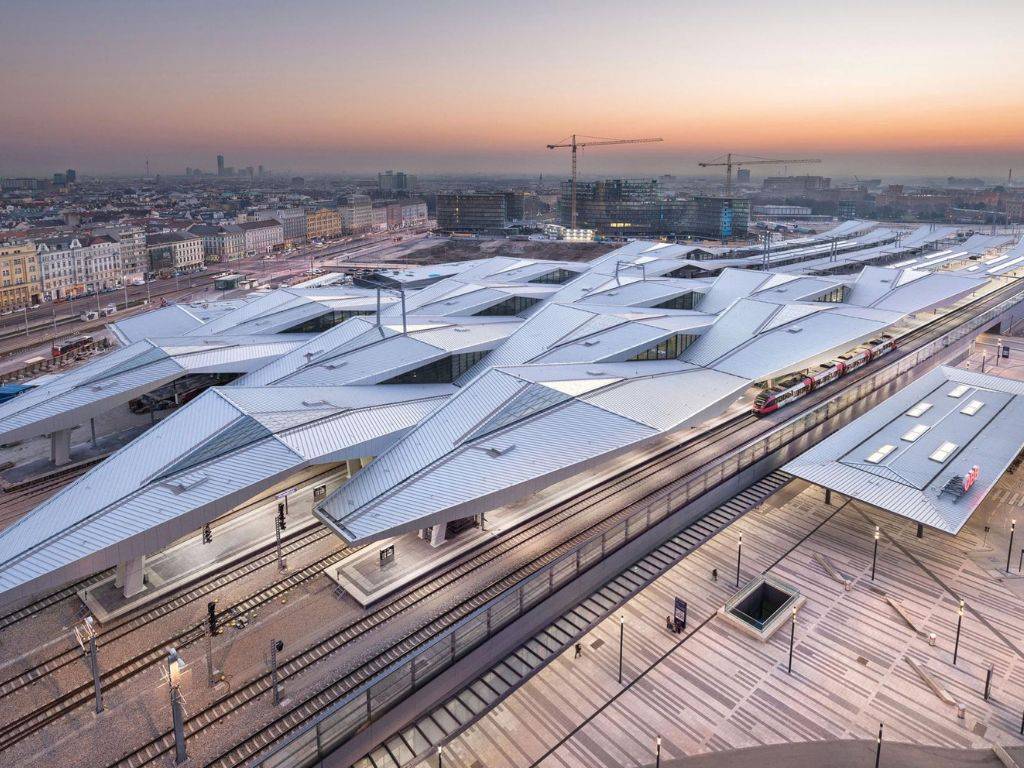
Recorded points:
(898, 88)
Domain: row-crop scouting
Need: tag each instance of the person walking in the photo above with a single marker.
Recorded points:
(579, 650)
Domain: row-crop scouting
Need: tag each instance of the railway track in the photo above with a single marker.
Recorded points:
(21, 727)
(152, 752)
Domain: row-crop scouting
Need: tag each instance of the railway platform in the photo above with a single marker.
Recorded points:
(234, 539)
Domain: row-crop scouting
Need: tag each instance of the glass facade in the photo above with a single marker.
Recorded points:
(513, 305)
(443, 371)
(324, 322)
(669, 349)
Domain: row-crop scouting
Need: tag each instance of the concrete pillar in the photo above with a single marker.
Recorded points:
(353, 466)
(60, 447)
(365, 460)
(134, 576)
(437, 534)
(119, 575)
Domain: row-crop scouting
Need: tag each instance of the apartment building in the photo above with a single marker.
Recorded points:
(294, 222)
(72, 265)
(262, 236)
(174, 251)
(220, 243)
(323, 222)
(356, 214)
(20, 285)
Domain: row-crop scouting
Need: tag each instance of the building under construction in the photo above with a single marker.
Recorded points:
(634, 208)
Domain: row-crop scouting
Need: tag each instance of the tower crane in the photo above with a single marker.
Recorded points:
(728, 161)
(591, 141)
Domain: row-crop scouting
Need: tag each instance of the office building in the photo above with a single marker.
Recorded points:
(174, 251)
(478, 212)
(72, 265)
(220, 165)
(131, 242)
(20, 285)
(796, 185)
(743, 176)
(395, 181)
(621, 207)
(718, 217)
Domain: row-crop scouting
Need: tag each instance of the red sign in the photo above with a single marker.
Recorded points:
(970, 477)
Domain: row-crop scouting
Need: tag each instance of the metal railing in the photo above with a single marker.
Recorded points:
(356, 709)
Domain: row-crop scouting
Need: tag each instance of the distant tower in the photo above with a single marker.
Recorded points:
(71, 175)
(220, 165)
(147, 167)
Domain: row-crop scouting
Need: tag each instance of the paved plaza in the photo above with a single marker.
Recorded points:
(857, 662)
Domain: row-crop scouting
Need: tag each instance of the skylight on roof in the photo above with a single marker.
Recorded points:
(972, 407)
(943, 451)
(915, 432)
(959, 390)
(919, 409)
(880, 454)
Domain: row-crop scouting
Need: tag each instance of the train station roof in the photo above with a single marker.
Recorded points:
(226, 446)
(93, 389)
(594, 366)
(910, 454)
(172, 320)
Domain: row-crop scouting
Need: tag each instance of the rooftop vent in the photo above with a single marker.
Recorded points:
(794, 329)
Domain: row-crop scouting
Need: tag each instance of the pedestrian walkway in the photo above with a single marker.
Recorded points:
(715, 688)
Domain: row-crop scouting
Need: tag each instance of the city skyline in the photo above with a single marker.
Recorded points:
(460, 88)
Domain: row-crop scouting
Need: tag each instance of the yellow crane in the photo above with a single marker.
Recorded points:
(591, 141)
(728, 161)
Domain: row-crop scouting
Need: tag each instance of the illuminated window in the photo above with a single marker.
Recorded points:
(972, 407)
(919, 409)
(959, 391)
(943, 451)
(880, 454)
(915, 433)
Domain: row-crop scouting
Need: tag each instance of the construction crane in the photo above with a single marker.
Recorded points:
(592, 141)
(728, 162)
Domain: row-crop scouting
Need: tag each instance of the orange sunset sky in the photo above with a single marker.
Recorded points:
(897, 87)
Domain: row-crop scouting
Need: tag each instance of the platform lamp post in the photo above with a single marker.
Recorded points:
(1009, 550)
(622, 636)
(440, 756)
(87, 637)
(878, 746)
(959, 623)
(174, 667)
(874, 556)
(739, 558)
(657, 753)
(792, 635)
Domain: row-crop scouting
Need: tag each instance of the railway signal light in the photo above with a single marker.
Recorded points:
(207, 534)
(280, 515)
(211, 612)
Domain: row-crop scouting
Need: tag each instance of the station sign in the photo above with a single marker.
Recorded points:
(287, 492)
(970, 477)
(387, 555)
(319, 493)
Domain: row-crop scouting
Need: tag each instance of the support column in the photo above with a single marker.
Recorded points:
(119, 575)
(437, 534)
(60, 447)
(134, 576)
(353, 466)
(365, 460)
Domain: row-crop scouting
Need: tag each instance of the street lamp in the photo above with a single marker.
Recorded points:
(792, 635)
(739, 557)
(959, 622)
(1009, 550)
(622, 634)
(874, 557)
(657, 753)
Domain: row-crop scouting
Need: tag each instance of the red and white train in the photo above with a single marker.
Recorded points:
(789, 390)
